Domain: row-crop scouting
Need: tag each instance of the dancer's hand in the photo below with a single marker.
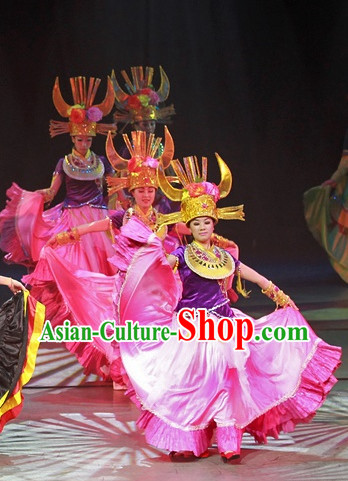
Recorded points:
(16, 286)
(12, 284)
(69, 236)
(278, 296)
(291, 304)
(52, 242)
(47, 194)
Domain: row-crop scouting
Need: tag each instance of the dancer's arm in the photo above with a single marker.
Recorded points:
(267, 287)
(50, 193)
(74, 234)
(12, 284)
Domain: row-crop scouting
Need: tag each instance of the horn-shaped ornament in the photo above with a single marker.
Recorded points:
(80, 94)
(169, 191)
(168, 151)
(225, 185)
(140, 81)
(163, 91)
(119, 163)
(175, 194)
(119, 94)
(108, 102)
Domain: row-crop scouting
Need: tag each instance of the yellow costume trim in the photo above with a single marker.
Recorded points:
(226, 213)
(68, 237)
(239, 286)
(32, 348)
(276, 295)
(197, 198)
(213, 263)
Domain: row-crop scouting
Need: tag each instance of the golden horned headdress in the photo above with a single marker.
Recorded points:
(141, 168)
(141, 102)
(198, 197)
(83, 115)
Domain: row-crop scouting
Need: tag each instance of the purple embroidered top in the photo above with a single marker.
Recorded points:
(82, 192)
(200, 292)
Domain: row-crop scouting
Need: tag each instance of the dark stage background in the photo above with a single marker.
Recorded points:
(264, 83)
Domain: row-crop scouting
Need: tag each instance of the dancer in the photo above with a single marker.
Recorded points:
(186, 390)
(21, 320)
(142, 107)
(137, 174)
(80, 289)
(326, 214)
(25, 226)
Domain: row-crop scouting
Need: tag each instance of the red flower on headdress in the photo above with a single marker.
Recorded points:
(77, 116)
(133, 165)
(133, 102)
(146, 91)
(195, 189)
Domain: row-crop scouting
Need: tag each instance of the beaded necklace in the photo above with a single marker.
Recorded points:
(79, 167)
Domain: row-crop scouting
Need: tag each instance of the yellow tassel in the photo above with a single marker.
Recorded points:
(111, 232)
(239, 286)
(175, 268)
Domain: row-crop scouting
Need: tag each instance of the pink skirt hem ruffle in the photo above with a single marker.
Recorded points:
(300, 407)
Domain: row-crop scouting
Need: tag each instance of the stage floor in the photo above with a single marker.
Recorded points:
(73, 427)
(89, 433)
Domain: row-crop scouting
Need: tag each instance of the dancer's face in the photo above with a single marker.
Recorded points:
(144, 197)
(82, 143)
(148, 126)
(202, 228)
